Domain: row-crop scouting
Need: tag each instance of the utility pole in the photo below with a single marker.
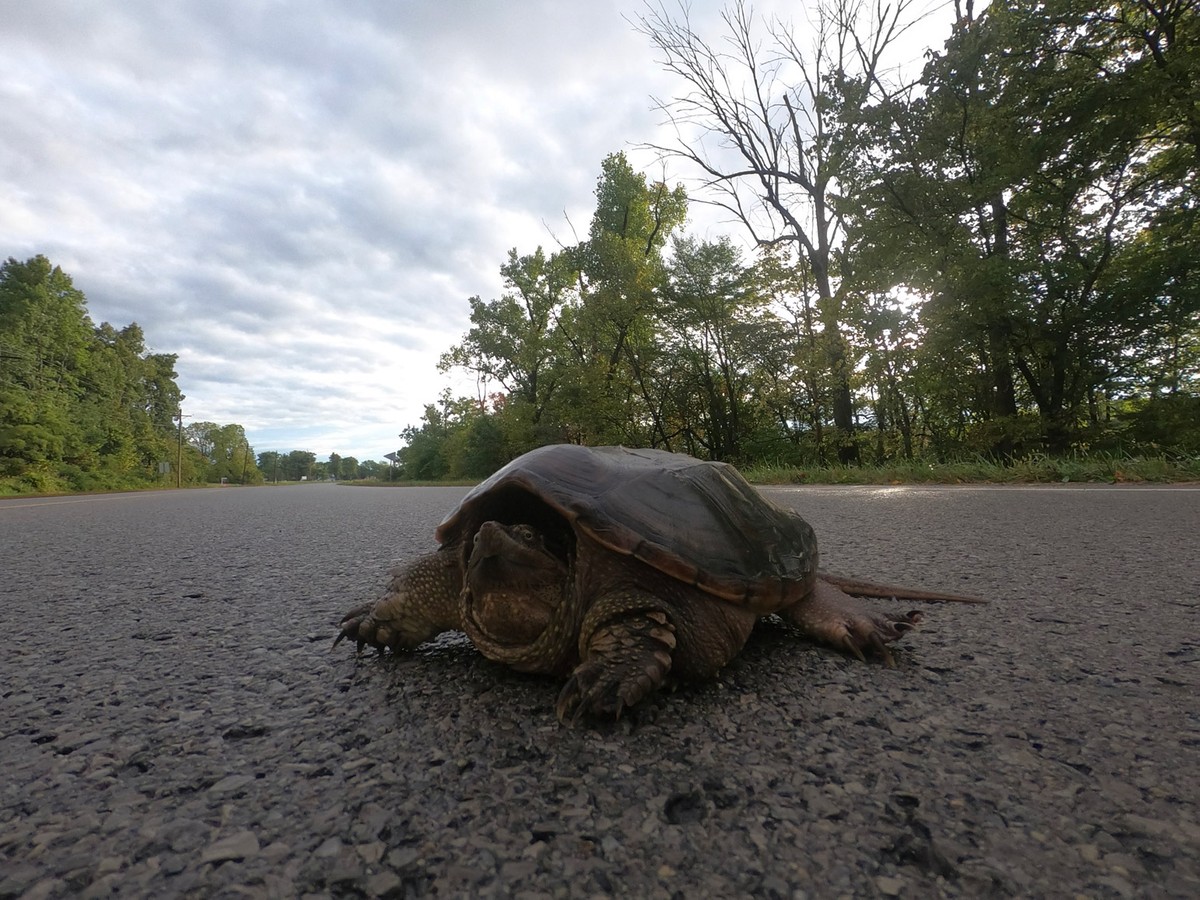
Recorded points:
(179, 455)
(179, 451)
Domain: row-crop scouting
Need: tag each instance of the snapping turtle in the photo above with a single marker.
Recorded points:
(616, 568)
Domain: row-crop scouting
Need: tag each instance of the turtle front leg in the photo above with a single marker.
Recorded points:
(626, 648)
(831, 616)
(421, 601)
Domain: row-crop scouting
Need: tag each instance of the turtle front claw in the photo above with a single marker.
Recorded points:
(599, 689)
(627, 658)
(587, 690)
(421, 601)
(361, 627)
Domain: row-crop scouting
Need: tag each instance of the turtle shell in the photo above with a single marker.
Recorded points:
(698, 522)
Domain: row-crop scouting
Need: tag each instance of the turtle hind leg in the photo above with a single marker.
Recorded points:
(421, 601)
(831, 616)
(627, 655)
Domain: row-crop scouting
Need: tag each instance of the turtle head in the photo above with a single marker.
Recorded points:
(514, 589)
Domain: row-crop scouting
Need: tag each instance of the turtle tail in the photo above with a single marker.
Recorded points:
(857, 587)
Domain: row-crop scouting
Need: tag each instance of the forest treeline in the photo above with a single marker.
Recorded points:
(81, 406)
(89, 407)
(997, 259)
(303, 465)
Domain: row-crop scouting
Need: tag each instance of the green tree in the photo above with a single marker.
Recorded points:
(269, 464)
(516, 341)
(373, 468)
(713, 309)
(773, 127)
(80, 406)
(795, 384)
(889, 334)
(573, 337)
(610, 330)
(45, 335)
(1008, 193)
(348, 468)
(227, 454)
(125, 414)
(423, 456)
(300, 465)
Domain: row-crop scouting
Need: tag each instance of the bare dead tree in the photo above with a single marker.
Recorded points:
(766, 122)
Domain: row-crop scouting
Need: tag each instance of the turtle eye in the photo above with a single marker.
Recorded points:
(525, 533)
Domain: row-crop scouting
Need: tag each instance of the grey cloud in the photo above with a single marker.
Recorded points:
(299, 198)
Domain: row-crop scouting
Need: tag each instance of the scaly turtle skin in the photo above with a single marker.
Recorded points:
(614, 568)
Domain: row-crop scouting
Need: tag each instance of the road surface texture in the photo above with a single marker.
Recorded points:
(174, 723)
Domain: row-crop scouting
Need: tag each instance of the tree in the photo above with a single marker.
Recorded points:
(227, 454)
(711, 306)
(300, 465)
(776, 134)
(44, 338)
(573, 336)
(125, 414)
(1000, 257)
(1008, 191)
(373, 468)
(80, 406)
(516, 340)
(268, 463)
(794, 384)
(609, 331)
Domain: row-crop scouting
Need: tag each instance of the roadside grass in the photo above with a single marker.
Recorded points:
(12, 487)
(1037, 468)
(1101, 468)
(400, 482)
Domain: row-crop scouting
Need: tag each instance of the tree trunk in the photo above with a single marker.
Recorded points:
(839, 367)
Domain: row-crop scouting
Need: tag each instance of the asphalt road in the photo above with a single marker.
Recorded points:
(173, 722)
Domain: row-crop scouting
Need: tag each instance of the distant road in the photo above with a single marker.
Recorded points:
(175, 724)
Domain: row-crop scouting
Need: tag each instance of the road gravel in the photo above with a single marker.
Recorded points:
(174, 724)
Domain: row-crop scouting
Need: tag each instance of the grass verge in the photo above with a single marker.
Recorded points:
(1032, 469)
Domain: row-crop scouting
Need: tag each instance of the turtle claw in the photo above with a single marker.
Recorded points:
(358, 625)
(574, 698)
(598, 689)
(421, 601)
(866, 634)
(361, 626)
(852, 648)
(880, 649)
(835, 618)
(626, 660)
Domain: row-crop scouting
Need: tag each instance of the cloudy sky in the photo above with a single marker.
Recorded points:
(298, 196)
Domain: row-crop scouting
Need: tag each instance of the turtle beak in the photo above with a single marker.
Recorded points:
(495, 549)
(488, 541)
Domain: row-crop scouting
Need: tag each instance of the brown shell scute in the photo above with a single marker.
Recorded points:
(699, 522)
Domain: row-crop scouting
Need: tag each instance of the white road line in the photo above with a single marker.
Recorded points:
(62, 501)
